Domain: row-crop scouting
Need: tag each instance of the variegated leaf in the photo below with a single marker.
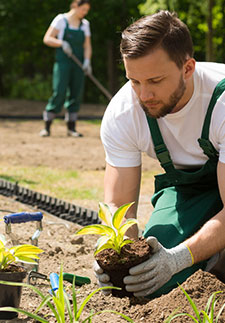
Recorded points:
(127, 225)
(119, 215)
(127, 241)
(108, 245)
(96, 229)
(26, 260)
(105, 214)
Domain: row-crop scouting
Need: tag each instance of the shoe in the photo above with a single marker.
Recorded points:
(44, 133)
(75, 134)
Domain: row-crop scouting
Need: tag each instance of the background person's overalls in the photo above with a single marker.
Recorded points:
(68, 79)
(184, 199)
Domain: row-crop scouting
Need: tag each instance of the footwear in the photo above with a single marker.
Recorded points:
(75, 134)
(44, 133)
(71, 130)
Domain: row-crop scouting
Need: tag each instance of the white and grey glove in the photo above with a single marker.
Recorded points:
(153, 273)
(87, 66)
(102, 278)
(67, 48)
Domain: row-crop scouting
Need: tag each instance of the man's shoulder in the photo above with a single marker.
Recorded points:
(125, 100)
(211, 70)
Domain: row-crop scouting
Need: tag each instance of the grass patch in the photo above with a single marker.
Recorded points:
(63, 184)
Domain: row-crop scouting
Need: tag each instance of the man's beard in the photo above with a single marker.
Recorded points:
(167, 108)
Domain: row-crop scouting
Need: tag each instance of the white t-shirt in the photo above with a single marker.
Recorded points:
(125, 132)
(60, 24)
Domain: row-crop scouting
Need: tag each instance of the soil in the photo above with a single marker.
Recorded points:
(21, 145)
(117, 265)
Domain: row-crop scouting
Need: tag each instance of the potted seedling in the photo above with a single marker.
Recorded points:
(115, 253)
(11, 271)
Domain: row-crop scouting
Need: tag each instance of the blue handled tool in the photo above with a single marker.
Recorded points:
(24, 217)
(54, 280)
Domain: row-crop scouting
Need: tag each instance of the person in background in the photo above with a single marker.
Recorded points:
(172, 108)
(70, 34)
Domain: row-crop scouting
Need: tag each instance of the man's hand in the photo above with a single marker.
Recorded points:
(87, 66)
(152, 274)
(67, 48)
(103, 279)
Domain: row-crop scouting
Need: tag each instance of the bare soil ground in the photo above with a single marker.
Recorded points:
(20, 144)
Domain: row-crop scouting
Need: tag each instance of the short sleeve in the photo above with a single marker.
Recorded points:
(119, 140)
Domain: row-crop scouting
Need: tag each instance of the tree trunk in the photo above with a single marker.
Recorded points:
(223, 28)
(209, 37)
(111, 67)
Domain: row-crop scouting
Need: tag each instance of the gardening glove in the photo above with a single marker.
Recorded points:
(103, 278)
(153, 273)
(67, 48)
(87, 66)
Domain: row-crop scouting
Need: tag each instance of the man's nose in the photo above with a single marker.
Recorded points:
(146, 93)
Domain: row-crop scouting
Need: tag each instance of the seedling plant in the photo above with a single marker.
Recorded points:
(204, 316)
(59, 301)
(22, 253)
(113, 231)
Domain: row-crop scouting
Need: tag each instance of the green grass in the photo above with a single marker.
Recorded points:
(63, 184)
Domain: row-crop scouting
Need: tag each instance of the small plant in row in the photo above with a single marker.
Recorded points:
(61, 306)
(203, 316)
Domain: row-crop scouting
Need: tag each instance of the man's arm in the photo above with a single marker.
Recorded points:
(210, 239)
(122, 185)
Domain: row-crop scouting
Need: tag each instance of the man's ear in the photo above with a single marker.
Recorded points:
(189, 68)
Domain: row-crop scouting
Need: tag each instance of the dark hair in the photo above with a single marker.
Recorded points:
(160, 30)
(81, 2)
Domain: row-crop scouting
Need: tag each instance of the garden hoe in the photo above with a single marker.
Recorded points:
(91, 76)
(23, 217)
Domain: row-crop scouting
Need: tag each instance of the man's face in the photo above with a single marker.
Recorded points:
(158, 82)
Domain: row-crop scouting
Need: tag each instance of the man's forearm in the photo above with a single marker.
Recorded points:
(210, 239)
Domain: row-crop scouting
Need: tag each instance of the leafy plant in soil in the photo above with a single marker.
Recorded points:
(10, 271)
(22, 253)
(115, 253)
(203, 316)
(59, 301)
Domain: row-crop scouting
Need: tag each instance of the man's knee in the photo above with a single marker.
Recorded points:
(219, 268)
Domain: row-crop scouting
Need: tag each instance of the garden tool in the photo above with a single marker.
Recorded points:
(79, 280)
(23, 217)
(93, 78)
(54, 280)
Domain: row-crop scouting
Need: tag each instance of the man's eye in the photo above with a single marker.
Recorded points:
(155, 81)
(134, 82)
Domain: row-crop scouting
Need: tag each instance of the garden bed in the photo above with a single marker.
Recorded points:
(76, 255)
(21, 146)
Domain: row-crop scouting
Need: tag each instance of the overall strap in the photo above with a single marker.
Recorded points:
(204, 142)
(81, 23)
(66, 22)
(161, 150)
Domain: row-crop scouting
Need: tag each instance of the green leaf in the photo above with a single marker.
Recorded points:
(219, 313)
(107, 245)
(127, 241)
(96, 229)
(194, 307)
(26, 260)
(105, 214)
(127, 225)
(119, 215)
(85, 301)
(17, 310)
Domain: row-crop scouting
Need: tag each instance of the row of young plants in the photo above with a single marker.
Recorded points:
(59, 303)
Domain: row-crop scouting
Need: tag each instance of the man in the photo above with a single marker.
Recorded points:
(163, 110)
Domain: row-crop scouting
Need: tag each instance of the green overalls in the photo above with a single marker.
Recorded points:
(68, 77)
(184, 199)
